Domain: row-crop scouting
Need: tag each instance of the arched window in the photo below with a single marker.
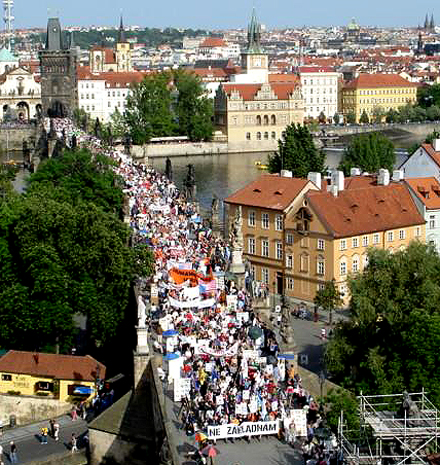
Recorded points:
(274, 135)
(248, 136)
(273, 120)
(320, 265)
(266, 136)
(258, 120)
(258, 135)
(355, 264)
(343, 266)
(266, 120)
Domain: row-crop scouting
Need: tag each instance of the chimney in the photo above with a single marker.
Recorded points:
(286, 174)
(436, 145)
(337, 179)
(383, 179)
(334, 190)
(397, 175)
(355, 172)
(315, 178)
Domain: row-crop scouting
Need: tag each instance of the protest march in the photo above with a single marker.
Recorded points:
(222, 363)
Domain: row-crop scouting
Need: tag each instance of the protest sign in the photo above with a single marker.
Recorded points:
(299, 417)
(245, 429)
(182, 388)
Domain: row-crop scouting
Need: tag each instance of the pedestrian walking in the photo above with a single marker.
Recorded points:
(56, 430)
(13, 452)
(73, 444)
(44, 432)
(74, 413)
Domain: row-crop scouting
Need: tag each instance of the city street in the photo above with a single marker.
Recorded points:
(27, 440)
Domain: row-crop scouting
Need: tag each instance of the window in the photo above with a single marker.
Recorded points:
(320, 266)
(375, 239)
(365, 260)
(289, 238)
(278, 223)
(343, 244)
(289, 261)
(251, 245)
(248, 136)
(251, 218)
(279, 250)
(432, 222)
(253, 271)
(6, 377)
(304, 263)
(266, 136)
(343, 267)
(390, 236)
(355, 264)
(304, 242)
(265, 275)
(258, 135)
(274, 135)
(264, 247)
(290, 284)
(320, 244)
(109, 104)
(265, 220)
(364, 241)
(320, 287)
(418, 231)
(354, 242)
(402, 234)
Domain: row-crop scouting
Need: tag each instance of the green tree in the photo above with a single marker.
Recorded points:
(364, 118)
(148, 111)
(7, 175)
(62, 255)
(193, 109)
(428, 96)
(297, 153)
(80, 177)
(351, 117)
(433, 113)
(378, 115)
(322, 118)
(337, 401)
(328, 298)
(336, 118)
(391, 116)
(430, 137)
(369, 152)
(390, 343)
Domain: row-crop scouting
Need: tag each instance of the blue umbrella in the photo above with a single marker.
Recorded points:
(171, 356)
(83, 390)
(287, 356)
(170, 333)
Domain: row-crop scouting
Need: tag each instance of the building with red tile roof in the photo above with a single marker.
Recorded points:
(424, 162)
(376, 94)
(300, 233)
(33, 372)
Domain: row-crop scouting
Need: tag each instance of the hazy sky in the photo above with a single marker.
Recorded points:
(225, 13)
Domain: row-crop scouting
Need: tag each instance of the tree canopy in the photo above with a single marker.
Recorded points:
(328, 298)
(369, 152)
(64, 252)
(390, 343)
(168, 104)
(297, 153)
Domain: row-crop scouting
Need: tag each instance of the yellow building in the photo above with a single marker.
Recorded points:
(60, 376)
(300, 233)
(376, 94)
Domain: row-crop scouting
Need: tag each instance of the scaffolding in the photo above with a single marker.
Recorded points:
(394, 429)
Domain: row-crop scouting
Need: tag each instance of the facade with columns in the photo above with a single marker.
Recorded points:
(20, 95)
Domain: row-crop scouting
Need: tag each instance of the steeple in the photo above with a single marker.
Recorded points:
(431, 23)
(426, 23)
(254, 35)
(54, 39)
(121, 32)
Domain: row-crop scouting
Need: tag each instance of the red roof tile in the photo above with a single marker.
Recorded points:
(316, 69)
(429, 149)
(68, 367)
(269, 191)
(364, 210)
(378, 80)
(427, 191)
(249, 91)
(211, 42)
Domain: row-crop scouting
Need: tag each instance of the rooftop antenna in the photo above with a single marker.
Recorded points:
(8, 19)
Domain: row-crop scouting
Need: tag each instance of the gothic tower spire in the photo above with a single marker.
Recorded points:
(121, 32)
(254, 35)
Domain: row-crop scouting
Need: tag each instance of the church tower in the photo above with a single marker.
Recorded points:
(123, 52)
(254, 61)
(59, 93)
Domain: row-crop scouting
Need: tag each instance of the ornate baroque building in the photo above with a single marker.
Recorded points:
(251, 108)
(59, 93)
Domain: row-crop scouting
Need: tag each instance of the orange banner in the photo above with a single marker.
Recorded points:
(180, 276)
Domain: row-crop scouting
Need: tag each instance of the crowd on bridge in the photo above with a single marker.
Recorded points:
(223, 362)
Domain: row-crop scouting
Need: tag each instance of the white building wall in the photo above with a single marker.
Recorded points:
(320, 92)
(420, 165)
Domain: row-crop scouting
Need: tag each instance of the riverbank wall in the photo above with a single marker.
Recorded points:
(12, 137)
